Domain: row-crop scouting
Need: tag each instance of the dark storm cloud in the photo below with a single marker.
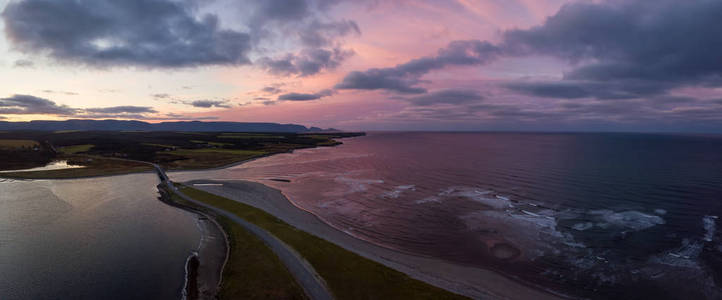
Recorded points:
(284, 9)
(405, 77)
(308, 24)
(173, 34)
(446, 96)
(321, 34)
(572, 89)
(31, 105)
(26, 104)
(147, 33)
(209, 103)
(304, 97)
(659, 44)
(619, 50)
(122, 110)
(307, 62)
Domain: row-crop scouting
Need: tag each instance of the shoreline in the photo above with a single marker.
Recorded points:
(515, 279)
(470, 281)
(205, 279)
(473, 282)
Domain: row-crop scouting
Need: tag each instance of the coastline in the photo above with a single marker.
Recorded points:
(468, 281)
(203, 280)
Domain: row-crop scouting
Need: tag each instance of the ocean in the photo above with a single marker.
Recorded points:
(595, 215)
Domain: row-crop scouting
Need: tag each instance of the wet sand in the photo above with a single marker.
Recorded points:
(204, 277)
(470, 281)
(212, 254)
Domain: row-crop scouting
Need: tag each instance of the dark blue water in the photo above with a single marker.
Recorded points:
(632, 216)
(95, 238)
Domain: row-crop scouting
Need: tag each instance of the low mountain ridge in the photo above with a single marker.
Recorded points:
(122, 125)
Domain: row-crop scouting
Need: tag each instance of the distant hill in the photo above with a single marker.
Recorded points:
(119, 125)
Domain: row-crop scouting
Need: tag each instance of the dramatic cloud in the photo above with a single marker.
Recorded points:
(31, 105)
(320, 34)
(304, 97)
(26, 105)
(147, 33)
(308, 62)
(209, 103)
(305, 24)
(405, 77)
(627, 48)
(572, 89)
(173, 34)
(446, 96)
(621, 50)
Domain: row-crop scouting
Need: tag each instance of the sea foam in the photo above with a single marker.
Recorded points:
(630, 219)
(710, 225)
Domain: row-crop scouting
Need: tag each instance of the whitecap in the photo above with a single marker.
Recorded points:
(354, 185)
(710, 226)
(684, 256)
(485, 197)
(631, 219)
(428, 200)
(583, 226)
(398, 190)
(660, 211)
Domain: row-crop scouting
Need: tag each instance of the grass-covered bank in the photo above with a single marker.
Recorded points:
(348, 275)
(252, 270)
(109, 153)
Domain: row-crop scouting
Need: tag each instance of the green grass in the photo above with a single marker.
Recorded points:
(208, 157)
(253, 271)
(17, 144)
(224, 151)
(66, 131)
(159, 145)
(96, 166)
(211, 143)
(75, 149)
(249, 136)
(348, 275)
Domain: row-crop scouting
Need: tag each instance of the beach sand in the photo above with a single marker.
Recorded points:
(211, 255)
(469, 281)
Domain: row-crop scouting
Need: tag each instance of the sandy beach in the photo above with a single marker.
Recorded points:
(469, 281)
(212, 254)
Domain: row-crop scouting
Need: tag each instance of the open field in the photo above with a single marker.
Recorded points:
(75, 149)
(172, 150)
(347, 274)
(17, 144)
(94, 166)
(203, 158)
(22, 153)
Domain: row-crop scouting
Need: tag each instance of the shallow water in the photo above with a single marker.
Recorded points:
(99, 238)
(594, 215)
(55, 165)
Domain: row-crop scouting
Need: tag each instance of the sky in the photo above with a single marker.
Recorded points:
(509, 65)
